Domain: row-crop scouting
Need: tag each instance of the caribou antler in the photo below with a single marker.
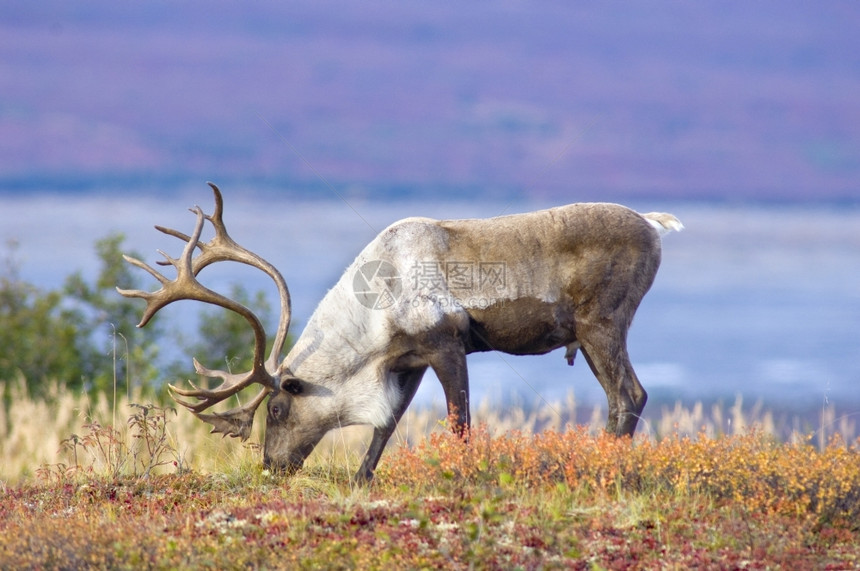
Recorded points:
(237, 421)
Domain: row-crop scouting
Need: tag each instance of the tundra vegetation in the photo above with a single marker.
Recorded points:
(97, 477)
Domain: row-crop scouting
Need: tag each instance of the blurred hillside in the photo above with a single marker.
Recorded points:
(582, 101)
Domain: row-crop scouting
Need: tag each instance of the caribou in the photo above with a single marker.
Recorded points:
(424, 294)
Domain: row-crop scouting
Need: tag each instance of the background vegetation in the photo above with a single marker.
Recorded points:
(84, 335)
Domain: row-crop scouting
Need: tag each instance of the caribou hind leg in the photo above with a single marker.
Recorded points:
(606, 354)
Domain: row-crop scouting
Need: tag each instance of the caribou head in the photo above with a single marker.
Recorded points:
(276, 382)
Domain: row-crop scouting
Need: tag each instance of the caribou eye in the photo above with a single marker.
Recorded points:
(293, 387)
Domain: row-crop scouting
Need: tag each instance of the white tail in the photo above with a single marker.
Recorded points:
(663, 222)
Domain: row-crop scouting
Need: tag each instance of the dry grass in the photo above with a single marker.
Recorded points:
(33, 433)
(37, 433)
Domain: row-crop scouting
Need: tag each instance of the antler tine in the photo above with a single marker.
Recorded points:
(170, 291)
(208, 397)
(217, 249)
(234, 422)
(152, 271)
(223, 247)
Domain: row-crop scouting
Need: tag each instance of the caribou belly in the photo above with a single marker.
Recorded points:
(525, 326)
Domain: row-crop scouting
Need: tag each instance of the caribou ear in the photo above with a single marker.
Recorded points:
(292, 386)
